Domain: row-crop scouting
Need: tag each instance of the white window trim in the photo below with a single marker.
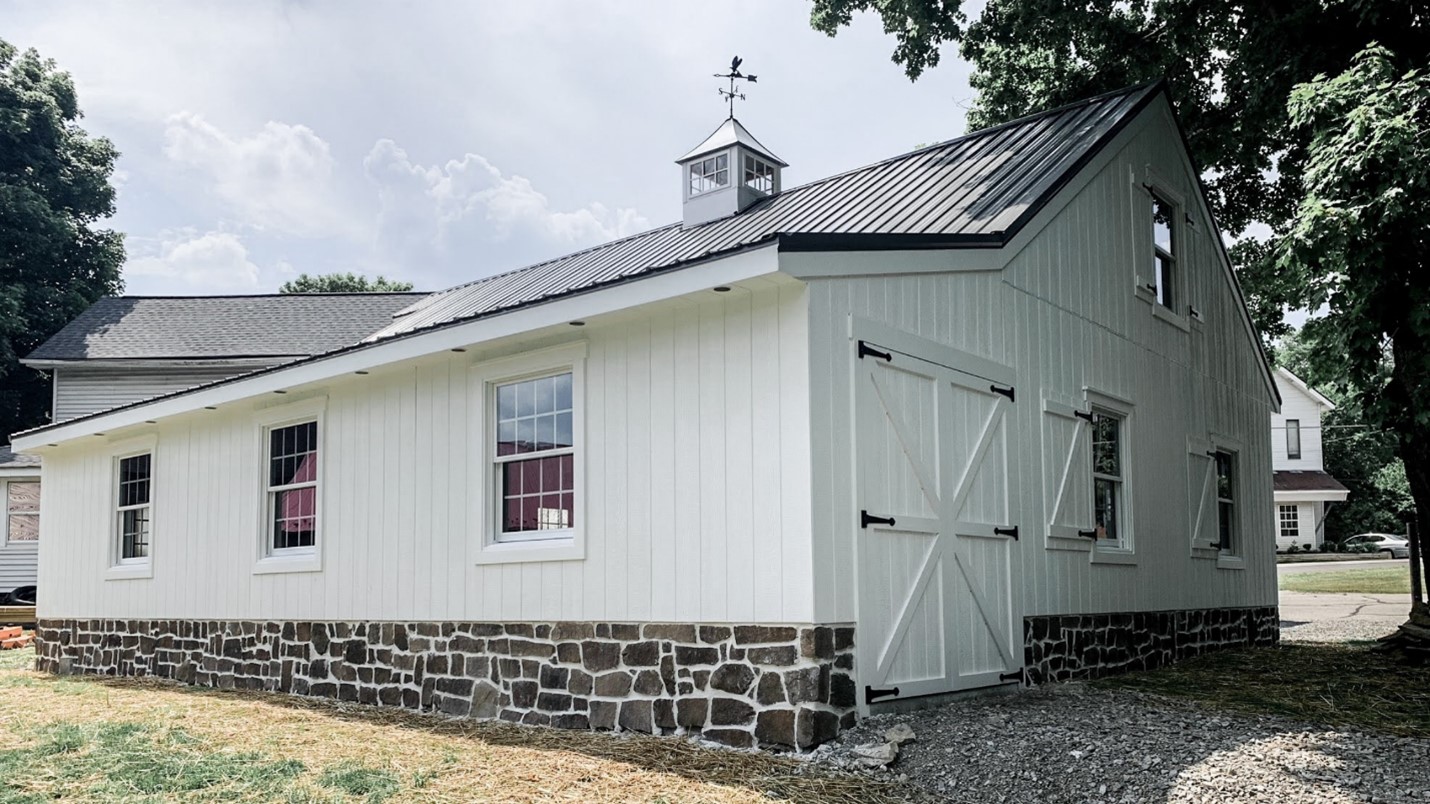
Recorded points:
(289, 559)
(486, 376)
(1225, 559)
(1126, 552)
(5, 483)
(132, 568)
(1281, 520)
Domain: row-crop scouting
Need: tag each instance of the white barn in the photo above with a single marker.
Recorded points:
(988, 413)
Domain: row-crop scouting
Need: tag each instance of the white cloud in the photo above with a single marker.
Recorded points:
(214, 262)
(428, 205)
(280, 178)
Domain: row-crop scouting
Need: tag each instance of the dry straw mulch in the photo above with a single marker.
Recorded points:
(429, 758)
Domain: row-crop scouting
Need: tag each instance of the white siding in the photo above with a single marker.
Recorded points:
(1064, 315)
(82, 390)
(697, 457)
(1296, 404)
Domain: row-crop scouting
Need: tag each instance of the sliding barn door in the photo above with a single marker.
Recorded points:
(936, 525)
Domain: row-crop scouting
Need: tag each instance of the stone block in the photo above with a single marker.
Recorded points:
(648, 683)
(730, 712)
(687, 655)
(691, 713)
(641, 654)
(675, 632)
(637, 716)
(568, 652)
(711, 634)
(735, 738)
(572, 632)
(763, 634)
(776, 727)
(776, 656)
(613, 685)
(599, 656)
(581, 682)
(732, 678)
(602, 714)
(553, 701)
(770, 690)
(523, 694)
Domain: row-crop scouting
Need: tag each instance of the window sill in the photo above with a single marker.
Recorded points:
(1072, 544)
(302, 562)
(535, 550)
(1167, 316)
(1230, 562)
(1205, 551)
(125, 572)
(1110, 556)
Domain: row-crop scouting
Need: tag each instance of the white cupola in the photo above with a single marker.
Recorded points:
(727, 173)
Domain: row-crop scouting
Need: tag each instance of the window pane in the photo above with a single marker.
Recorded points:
(294, 517)
(562, 383)
(525, 399)
(506, 438)
(134, 533)
(1162, 224)
(546, 432)
(1106, 445)
(525, 435)
(721, 162)
(1105, 508)
(23, 497)
(1225, 483)
(1293, 438)
(1165, 281)
(23, 528)
(568, 478)
(563, 437)
(1226, 532)
(535, 494)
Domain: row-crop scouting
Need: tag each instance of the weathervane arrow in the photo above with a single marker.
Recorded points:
(734, 75)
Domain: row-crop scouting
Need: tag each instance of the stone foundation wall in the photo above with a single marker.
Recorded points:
(741, 685)
(1063, 647)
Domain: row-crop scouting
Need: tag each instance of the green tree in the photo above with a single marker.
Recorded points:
(343, 283)
(54, 189)
(1359, 248)
(1231, 67)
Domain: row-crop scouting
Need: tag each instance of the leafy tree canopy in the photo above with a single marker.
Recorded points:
(343, 283)
(54, 189)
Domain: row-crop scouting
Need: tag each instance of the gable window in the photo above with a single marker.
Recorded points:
(1107, 478)
(759, 174)
(535, 457)
(22, 511)
(1288, 522)
(1227, 535)
(1293, 439)
(132, 507)
(709, 174)
(1164, 248)
(291, 496)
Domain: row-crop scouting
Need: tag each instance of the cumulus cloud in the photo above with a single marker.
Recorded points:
(429, 205)
(280, 178)
(213, 262)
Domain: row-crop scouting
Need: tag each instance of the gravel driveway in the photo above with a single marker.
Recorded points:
(1074, 743)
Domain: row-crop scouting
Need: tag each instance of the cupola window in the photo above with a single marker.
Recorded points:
(709, 174)
(759, 174)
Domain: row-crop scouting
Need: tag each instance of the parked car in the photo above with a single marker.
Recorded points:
(1389, 543)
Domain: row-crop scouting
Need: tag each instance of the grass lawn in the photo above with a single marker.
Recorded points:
(1343, 685)
(1380, 580)
(100, 739)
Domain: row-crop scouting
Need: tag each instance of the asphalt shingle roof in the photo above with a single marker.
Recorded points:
(216, 327)
(976, 190)
(10, 459)
(1308, 480)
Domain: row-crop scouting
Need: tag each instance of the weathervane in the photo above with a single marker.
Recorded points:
(734, 75)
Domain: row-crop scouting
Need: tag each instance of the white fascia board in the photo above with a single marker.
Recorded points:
(745, 265)
(1300, 385)
(146, 362)
(1324, 495)
(12, 472)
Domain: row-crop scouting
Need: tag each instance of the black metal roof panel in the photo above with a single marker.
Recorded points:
(218, 327)
(978, 189)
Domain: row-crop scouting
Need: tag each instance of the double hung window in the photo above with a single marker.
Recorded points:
(535, 458)
(1293, 439)
(1227, 536)
(1288, 522)
(22, 511)
(133, 508)
(1164, 250)
(291, 496)
(1107, 478)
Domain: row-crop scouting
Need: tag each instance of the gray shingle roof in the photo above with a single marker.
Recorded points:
(975, 190)
(17, 460)
(216, 327)
(1304, 480)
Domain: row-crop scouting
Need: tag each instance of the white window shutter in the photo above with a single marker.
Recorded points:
(1201, 493)
(1067, 471)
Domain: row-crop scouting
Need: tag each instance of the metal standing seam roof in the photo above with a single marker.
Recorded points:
(976, 190)
(218, 327)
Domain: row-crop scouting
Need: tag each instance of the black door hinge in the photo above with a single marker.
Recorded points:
(1085, 415)
(1011, 530)
(871, 695)
(865, 350)
(1016, 675)
(1008, 392)
(1089, 534)
(866, 519)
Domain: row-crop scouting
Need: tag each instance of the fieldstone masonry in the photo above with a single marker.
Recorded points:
(1078, 646)
(741, 685)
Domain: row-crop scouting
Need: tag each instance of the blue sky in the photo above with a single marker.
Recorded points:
(442, 142)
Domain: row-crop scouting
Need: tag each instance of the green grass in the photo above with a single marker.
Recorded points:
(356, 780)
(1340, 685)
(1377, 581)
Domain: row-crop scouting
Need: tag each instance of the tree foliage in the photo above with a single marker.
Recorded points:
(54, 189)
(343, 283)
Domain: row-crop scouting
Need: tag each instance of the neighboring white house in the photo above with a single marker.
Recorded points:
(20, 491)
(1303, 488)
(989, 412)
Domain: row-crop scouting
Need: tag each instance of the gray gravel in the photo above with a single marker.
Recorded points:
(1339, 630)
(1072, 743)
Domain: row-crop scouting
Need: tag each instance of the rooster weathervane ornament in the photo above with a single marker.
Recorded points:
(734, 75)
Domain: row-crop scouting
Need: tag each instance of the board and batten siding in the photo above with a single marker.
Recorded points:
(697, 459)
(1064, 315)
(82, 390)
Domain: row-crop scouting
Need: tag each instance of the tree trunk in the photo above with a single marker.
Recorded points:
(1406, 394)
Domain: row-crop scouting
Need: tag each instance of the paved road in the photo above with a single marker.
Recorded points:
(1339, 566)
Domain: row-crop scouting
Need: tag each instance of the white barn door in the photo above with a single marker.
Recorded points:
(936, 522)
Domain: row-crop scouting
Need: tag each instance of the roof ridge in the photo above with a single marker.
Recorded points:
(368, 293)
